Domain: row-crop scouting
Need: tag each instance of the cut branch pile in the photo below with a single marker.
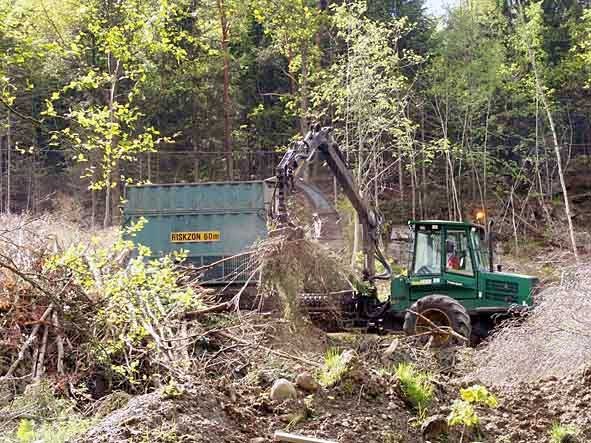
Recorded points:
(44, 314)
(553, 340)
(293, 266)
(83, 315)
(73, 311)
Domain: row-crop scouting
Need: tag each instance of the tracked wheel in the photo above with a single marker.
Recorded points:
(438, 311)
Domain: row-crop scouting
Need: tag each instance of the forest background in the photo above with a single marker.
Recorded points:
(486, 108)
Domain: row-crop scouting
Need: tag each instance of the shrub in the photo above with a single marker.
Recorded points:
(463, 412)
(56, 420)
(141, 302)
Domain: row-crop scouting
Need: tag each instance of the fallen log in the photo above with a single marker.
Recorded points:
(222, 307)
(30, 340)
(293, 438)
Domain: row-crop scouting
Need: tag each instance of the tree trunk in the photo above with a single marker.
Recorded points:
(110, 163)
(116, 193)
(485, 166)
(400, 176)
(1, 173)
(227, 102)
(567, 210)
(8, 160)
(195, 137)
(304, 93)
(356, 226)
(542, 95)
(107, 218)
(413, 184)
(93, 209)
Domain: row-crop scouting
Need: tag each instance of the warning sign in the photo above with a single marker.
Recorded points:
(194, 237)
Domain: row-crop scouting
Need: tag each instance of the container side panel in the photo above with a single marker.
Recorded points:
(210, 221)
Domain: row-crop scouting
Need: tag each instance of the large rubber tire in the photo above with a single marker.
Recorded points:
(443, 311)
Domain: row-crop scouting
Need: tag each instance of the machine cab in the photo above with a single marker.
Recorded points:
(446, 254)
(447, 247)
(451, 259)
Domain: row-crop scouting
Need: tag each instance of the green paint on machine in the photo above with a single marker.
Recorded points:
(451, 259)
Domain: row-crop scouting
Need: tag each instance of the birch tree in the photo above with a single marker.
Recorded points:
(529, 29)
(366, 93)
(103, 118)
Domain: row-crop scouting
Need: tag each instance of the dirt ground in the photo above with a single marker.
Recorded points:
(230, 402)
(234, 405)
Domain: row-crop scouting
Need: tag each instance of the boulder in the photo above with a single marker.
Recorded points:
(307, 382)
(283, 390)
(434, 427)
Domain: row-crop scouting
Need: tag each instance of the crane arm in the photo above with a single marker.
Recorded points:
(320, 140)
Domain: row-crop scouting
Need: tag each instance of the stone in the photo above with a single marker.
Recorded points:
(283, 390)
(258, 440)
(348, 357)
(389, 352)
(434, 426)
(307, 382)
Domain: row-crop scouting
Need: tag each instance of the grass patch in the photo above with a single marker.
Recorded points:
(416, 385)
(563, 433)
(334, 368)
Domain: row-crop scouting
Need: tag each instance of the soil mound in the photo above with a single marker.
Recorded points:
(229, 401)
(527, 411)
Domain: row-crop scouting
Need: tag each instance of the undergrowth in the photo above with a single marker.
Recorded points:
(56, 420)
(334, 368)
(563, 433)
(416, 386)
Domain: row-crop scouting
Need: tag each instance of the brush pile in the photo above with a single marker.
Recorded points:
(76, 309)
(293, 266)
(554, 340)
(38, 304)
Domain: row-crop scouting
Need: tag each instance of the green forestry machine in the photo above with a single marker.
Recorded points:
(451, 292)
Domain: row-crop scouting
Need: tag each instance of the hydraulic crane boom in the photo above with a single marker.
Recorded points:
(320, 141)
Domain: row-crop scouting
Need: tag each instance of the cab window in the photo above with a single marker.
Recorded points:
(427, 253)
(457, 253)
(480, 249)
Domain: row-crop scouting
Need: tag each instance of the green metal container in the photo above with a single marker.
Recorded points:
(211, 221)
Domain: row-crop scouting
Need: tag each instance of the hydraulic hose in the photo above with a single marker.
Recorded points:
(387, 274)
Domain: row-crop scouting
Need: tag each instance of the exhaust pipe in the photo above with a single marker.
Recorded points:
(489, 234)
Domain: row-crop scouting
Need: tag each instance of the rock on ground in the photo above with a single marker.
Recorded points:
(307, 382)
(283, 390)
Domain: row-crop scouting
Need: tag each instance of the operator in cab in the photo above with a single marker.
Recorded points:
(453, 260)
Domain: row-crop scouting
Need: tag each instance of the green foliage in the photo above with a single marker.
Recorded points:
(56, 419)
(563, 433)
(365, 91)
(478, 394)
(416, 385)
(172, 390)
(334, 368)
(108, 83)
(139, 300)
(51, 432)
(25, 432)
(463, 412)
